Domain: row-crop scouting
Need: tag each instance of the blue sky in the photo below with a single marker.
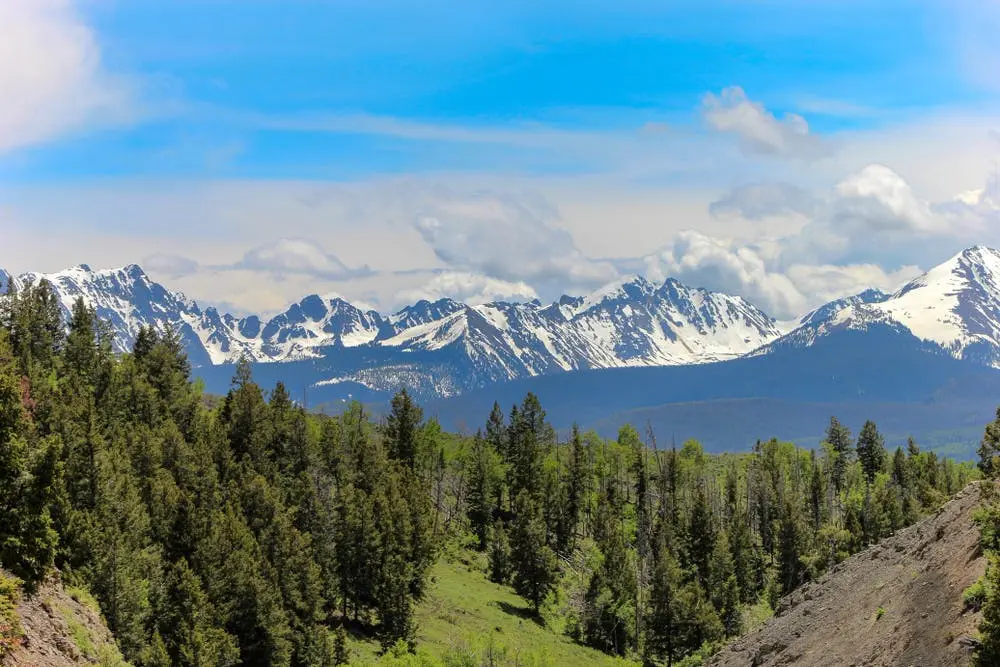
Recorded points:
(158, 119)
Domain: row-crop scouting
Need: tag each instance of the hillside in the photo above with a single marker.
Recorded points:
(897, 603)
(466, 616)
(62, 627)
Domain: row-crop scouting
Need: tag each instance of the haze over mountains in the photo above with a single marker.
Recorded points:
(946, 322)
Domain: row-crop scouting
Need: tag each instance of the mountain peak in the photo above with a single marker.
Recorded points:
(133, 271)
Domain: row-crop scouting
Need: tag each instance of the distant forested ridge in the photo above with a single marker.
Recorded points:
(243, 529)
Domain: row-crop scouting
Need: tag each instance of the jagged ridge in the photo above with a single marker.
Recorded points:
(634, 322)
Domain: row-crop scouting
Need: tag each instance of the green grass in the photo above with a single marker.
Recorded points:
(465, 618)
(99, 653)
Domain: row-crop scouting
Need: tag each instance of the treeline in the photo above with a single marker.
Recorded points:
(672, 547)
(244, 530)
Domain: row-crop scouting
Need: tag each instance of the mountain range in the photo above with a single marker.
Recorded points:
(666, 332)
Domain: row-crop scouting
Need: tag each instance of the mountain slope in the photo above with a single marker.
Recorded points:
(916, 578)
(953, 308)
(629, 323)
(879, 374)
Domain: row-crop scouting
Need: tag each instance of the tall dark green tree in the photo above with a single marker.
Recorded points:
(403, 427)
(839, 438)
(534, 564)
(480, 498)
(871, 451)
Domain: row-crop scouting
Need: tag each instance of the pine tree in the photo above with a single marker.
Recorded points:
(701, 536)
(789, 548)
(871, 451)
(723, 589)
(609, 617)
(402, 427)
(815, 493)
(480, 504)
(500, 559)
(576, 482)
(533, 563)
(666, 613)
(839, 439)
(27, 538)
(341, 652)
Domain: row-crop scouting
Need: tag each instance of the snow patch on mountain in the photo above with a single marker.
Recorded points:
(954, 306)
(631, 322)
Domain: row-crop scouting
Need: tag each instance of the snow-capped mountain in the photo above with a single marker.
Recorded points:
(446, 347)
(954, 307)
(633, 322)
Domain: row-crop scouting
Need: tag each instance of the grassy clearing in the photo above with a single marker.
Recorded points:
(468, 620)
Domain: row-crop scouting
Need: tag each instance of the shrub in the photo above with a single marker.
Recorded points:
(11, 632)
(975, 595)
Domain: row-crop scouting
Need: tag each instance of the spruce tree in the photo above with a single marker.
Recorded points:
(533, 562)
(871, 451)
(666, 607)
(576, 483)
(839, 439)
(402, 428)
(500, 558)
(480, 506)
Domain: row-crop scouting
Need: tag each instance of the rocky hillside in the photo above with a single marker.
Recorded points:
(897, 603)
(61, 627)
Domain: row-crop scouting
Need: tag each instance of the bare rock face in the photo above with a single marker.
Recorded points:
(62, 630)
(897, 603)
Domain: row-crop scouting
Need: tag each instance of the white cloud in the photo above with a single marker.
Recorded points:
(754, 273)
(878, 199)
(296, 256)
(509, 238)
(719, 265)
(759, 131)
(470, 288)
(51, 77)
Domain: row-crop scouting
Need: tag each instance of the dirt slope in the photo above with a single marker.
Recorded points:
(63, 629)
(916, 577)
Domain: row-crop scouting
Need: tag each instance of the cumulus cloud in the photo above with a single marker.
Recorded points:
(508, 238)
(759, 131)
(878, 199)
(704, 261)
(296, 256)
(868, 217)
(870, 230)
(468, 288)
(753, 273)
(51, 74)
(757, 201)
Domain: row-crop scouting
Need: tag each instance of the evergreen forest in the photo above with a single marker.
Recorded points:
(245, 530)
